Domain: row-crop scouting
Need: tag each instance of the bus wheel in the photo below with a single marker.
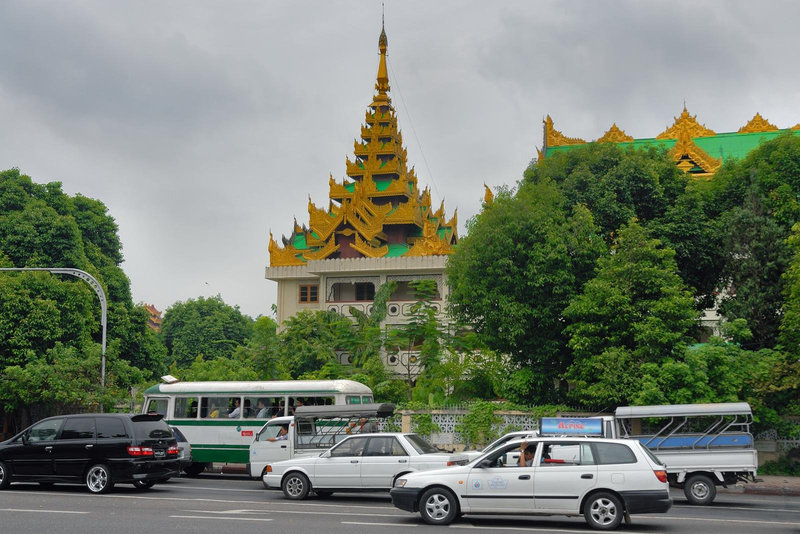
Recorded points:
(194, 469)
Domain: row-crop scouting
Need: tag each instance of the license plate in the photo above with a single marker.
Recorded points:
(159, 453)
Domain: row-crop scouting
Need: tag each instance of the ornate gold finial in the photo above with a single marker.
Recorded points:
(796, 126)
(615, 135)
(688, 123)
(488, 196)
(758, 124)
(555, 138)
(382, 85)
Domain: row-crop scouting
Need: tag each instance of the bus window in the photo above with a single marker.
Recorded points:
(366, 399)
(158, 406)
(353, 399)
(185, 408)
(214, 407)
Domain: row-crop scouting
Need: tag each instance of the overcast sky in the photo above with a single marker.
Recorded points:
(203, 125)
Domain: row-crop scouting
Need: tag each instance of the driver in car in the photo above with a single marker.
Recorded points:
(526, 458)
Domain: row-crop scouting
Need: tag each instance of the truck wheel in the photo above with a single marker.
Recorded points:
(295, 486)
(700, 489)
(603, 511)
(438, 506)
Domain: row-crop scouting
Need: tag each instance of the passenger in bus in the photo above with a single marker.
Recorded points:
(234, 414)
(262, 409)
(192, 409)
(213, 411)
(247, 410)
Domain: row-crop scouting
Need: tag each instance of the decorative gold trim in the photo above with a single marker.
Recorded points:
(279, 257)
(796, 126)
(687, 154)
(368, 250)
(555, 138)
(615, 135)
(430, 244)
(322, 253)
(758, 124)
(688, 123)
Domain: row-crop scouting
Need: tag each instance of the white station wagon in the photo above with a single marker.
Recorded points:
(602, 479)
(362, 462)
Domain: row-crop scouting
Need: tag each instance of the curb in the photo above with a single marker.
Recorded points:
(771, 490)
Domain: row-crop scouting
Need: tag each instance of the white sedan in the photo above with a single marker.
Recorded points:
(363, 462)
(604, 480)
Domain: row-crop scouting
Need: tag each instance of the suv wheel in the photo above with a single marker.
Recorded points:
(98, 479)
(5, 476)
(603, 511)
(295, 486)
(438, 506)
(700, 489)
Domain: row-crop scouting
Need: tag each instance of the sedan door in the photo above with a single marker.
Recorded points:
(383, 459)
(74, 448)
(340, 467)
(566, 471)
(499, 484)
(33, 458)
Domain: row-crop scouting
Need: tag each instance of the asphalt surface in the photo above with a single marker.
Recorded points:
(225, 503)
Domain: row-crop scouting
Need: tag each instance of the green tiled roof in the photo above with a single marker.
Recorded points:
(299, 242)
(396, 250)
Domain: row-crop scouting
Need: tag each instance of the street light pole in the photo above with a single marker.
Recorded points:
(89, 279)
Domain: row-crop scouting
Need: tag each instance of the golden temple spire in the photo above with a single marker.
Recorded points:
(383, 74)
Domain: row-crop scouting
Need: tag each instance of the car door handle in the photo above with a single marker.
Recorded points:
(524, 477)
(283, 446)
(402, 461)
(48, 448)
(353, 461)
(89, 446)
(587, 475)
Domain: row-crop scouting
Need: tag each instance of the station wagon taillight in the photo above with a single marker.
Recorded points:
(173, 450)
(140, 451)
(661, 475)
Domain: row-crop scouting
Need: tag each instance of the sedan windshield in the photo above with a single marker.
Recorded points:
(420, 445)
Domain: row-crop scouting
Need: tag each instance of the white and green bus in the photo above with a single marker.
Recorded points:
(220, 419)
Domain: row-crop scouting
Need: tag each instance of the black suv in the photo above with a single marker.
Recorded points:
(98, 450)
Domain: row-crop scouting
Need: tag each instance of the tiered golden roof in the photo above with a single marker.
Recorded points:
(378, 211)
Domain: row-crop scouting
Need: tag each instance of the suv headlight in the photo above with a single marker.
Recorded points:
(399, 483)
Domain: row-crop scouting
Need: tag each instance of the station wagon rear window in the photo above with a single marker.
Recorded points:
(614, 453)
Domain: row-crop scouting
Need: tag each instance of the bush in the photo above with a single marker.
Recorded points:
(782, 467)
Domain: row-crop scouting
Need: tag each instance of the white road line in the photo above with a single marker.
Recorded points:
(536, 529)
(301, 512)
(41, 511)
(217, 489)
(376, 524)
(218, 518)
(746, 508)
(713, 520)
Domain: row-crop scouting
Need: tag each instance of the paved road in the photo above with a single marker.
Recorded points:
(218, 503)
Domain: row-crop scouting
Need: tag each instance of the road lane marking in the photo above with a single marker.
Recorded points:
(301, 512)
(713, 520)
(377, 524)
(218, 489)
(41, 511)
(219, 518)
(745, 508)
(536, 529)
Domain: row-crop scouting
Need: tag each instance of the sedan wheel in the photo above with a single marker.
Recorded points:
(603, 511)
(438, 506)
(98, 479)
(295, 486)
(5, 476)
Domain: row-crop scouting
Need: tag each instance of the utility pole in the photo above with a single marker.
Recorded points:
(92, 281)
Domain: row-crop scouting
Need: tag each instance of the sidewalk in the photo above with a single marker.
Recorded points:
(767, 485)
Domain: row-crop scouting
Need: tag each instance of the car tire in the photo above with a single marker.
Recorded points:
(323, 494)
(700, 489)
(144, 484)
(5, 476)
(295, 486)
(98, 479)
(438, 506)
(194, 469)
(603, 511)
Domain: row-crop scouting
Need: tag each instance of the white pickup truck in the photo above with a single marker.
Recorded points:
(701, 445)
(310, 432)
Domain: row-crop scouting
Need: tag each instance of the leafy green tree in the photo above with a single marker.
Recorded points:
(237, 367)
(514, 273)
(635, 311)
(367, 336)
(310, 339)
(204, 327)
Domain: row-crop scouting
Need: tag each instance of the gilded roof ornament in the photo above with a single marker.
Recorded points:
(688, 156)
(488, 196)
(282, 256)
(615, 135)
(758, 124)
(430, 244)
(555, 138)
(796, 126)
(687, 123)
